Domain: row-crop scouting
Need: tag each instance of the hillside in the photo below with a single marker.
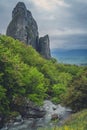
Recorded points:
(24, 74)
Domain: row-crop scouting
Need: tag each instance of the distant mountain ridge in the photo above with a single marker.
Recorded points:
(69, 50)
(73, 56)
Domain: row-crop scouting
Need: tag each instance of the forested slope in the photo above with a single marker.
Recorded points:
(25, 74)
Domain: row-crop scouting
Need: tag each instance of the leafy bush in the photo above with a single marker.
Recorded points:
(76, 96)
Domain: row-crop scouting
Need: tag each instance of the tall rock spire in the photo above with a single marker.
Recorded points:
(44, 48)
(24, 28)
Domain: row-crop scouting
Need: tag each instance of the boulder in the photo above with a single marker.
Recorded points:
(28, 109)
(54, 117)
(18, 118)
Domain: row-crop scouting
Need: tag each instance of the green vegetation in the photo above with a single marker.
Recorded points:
(77, 121)
(76, 96)
(25, 74)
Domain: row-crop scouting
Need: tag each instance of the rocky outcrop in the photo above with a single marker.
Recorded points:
(44, 48)
(24, 28)
(27, 108)
(30, 110)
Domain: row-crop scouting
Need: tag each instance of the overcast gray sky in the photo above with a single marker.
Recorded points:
(64, 20)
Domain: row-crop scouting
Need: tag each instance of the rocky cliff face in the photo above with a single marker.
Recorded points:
(24, 28)
(44, 48)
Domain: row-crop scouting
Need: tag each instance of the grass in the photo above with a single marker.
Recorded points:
(77, 121)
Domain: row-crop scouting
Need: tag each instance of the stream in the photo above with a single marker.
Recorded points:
(52, 112)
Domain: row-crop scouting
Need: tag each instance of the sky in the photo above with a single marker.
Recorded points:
(65, 21)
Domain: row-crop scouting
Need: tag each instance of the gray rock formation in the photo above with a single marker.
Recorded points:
(44, 48)
(24, 28)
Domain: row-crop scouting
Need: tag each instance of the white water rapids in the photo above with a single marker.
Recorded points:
(34, 124)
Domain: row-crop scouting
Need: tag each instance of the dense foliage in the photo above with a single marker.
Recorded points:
(76, 96)
(24, 73)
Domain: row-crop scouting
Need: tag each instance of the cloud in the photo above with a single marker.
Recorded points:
(49, 4)
(64, 20)
(67, 31)
(70, 42)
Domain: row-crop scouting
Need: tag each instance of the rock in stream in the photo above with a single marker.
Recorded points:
(52, 111)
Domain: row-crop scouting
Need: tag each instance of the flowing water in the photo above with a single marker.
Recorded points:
(34, 124)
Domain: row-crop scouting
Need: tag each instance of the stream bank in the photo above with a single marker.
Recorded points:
(40, 117)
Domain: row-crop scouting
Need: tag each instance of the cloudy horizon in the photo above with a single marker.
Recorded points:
(65, 21)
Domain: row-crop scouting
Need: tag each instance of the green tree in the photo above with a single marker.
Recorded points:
(76, 96)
